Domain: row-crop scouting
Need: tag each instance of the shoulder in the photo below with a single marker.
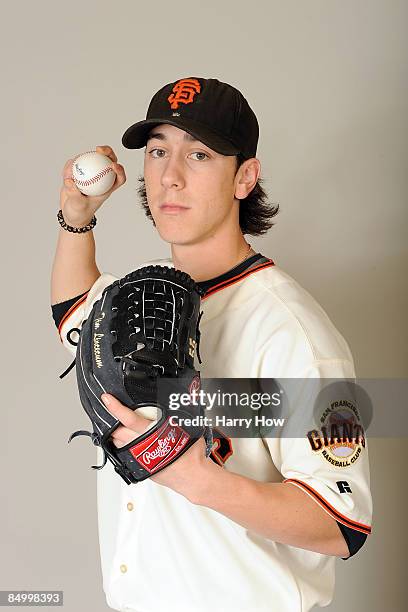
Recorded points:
(284, 309)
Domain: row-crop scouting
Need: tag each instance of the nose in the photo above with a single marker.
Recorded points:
(173, 175)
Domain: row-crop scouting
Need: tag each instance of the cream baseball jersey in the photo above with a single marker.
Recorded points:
(161, 553)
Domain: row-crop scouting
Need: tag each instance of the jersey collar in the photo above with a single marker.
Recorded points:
(249, 266)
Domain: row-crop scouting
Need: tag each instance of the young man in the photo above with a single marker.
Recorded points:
(256, 526)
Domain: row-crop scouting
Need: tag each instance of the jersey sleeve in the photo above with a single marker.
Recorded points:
(322, 447)
(69, 315)
(59, 310)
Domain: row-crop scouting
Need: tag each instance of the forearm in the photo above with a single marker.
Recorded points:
(278, 511)
(74, 268)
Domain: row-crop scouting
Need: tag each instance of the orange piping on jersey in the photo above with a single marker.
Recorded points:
(330, 509)
(236, 279)
(71, 311)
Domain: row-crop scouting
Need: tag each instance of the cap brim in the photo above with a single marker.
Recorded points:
(135, 136)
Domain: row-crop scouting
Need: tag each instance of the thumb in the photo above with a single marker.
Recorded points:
(70, 183)
(114, 406)
(125, 415)
(107, 399)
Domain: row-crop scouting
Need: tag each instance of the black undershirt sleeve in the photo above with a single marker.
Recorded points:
(354, 539)
(60, 309)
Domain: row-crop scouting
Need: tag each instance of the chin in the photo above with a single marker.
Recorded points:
(173, 235)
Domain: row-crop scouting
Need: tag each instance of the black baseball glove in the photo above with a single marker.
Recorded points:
(138, 344)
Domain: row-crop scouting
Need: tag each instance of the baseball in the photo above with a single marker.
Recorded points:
(92, 173)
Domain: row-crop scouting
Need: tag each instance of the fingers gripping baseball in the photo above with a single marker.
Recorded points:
(88, 180)
(117, 168)
(132, 423)
(108, 151)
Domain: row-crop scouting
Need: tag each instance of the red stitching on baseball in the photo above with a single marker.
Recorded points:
(94, 179)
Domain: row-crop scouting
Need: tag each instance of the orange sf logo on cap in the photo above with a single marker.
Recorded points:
(184, 92)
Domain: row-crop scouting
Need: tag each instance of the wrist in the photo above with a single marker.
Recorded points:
(202, 493)
(75, 220)
(76, 229)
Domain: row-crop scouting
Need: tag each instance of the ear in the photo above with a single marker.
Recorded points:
(246, 177)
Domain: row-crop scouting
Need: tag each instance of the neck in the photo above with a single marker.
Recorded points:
(211, 257)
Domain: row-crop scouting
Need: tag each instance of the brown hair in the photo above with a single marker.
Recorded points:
(255, 212)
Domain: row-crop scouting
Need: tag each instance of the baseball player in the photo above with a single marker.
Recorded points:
(258, 524)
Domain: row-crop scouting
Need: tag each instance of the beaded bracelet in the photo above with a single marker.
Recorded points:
(75, 230)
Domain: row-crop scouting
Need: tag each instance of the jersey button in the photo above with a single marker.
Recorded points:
(123, 569)
(130, 506)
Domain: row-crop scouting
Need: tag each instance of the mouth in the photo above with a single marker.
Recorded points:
(172, 208)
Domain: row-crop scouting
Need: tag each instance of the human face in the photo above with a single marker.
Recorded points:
(180, 170)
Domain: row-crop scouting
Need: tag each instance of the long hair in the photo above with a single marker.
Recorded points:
(255, 212)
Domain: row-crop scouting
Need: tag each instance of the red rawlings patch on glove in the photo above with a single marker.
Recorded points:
(160, 448)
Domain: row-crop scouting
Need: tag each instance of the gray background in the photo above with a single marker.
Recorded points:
(328, 82)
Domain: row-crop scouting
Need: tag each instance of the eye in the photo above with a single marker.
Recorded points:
(201, 153)
(158, 152)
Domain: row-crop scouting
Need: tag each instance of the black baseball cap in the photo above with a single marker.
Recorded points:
(215, 113)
